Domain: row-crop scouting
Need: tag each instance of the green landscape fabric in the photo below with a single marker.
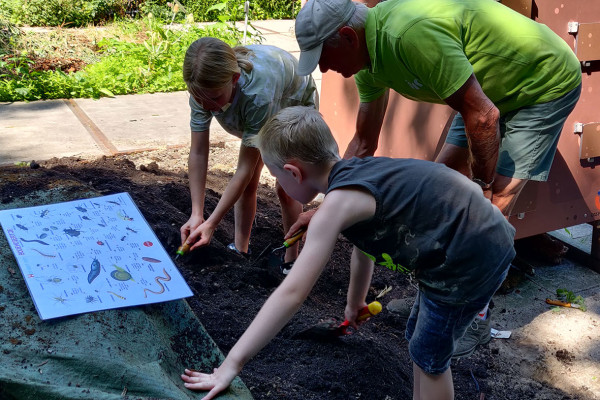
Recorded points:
(130, 353)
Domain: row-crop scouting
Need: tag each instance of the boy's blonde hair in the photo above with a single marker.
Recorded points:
(297, 133)
(210, 63)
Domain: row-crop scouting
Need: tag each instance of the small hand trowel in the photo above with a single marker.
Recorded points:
(329, 329)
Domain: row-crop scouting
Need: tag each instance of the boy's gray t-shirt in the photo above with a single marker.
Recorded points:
(270, 86)
(431, 220)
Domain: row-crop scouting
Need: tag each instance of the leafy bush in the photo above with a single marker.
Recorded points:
(126, 67)
(158, 8)
(8, 34)
(259, 9)
(71, 13)
(145, 56)
(76, 13)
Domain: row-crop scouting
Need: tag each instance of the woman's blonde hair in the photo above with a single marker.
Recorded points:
(210, 63)
(296, 133)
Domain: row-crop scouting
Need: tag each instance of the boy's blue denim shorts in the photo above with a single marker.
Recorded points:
(529, 137)
(434, 327)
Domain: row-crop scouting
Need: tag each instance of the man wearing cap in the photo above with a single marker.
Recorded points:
(512, 81)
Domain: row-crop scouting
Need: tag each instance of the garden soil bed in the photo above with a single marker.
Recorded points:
(229, 289)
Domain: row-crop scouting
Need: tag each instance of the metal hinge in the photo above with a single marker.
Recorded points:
(573, 27)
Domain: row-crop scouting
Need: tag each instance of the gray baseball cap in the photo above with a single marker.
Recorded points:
(317, 21)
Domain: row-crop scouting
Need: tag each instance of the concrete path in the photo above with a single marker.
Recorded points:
(41, 130)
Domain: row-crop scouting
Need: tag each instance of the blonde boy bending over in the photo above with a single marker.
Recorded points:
(404, 214)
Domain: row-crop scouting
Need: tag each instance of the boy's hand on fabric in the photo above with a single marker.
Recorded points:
(216, 382)
(190, 226)
(302, 222)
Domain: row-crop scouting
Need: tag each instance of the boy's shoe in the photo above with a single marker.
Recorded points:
(231, 247)
(286, 267)
(401, 307)
(479, 332)
(279, 271)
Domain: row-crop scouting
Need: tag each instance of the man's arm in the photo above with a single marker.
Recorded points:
(368, 126)
(481, 125)
(361, 272)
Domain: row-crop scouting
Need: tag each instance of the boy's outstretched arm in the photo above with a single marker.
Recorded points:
(361, 272)
(335, 214)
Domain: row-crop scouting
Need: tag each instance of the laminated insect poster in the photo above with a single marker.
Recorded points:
(89, 255)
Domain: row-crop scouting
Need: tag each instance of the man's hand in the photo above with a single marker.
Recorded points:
(302, 222)
(357, 148)
(488, 194)
(368, 126)
(216, 382)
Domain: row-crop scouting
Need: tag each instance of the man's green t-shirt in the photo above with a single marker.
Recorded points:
(426, 50)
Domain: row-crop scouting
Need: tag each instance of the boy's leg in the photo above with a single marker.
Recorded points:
(245, 210)
(290, 210)
(432, 387)
(432, 331)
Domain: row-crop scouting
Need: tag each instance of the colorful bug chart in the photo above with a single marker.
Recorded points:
(89, 255)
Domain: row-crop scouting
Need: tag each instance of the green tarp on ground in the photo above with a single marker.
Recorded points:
(131, 353)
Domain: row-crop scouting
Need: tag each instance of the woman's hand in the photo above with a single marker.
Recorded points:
(194, 222)
(202, 235)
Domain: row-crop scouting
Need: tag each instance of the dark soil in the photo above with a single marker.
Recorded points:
(41, 64)
(68, 65)
(229, 289)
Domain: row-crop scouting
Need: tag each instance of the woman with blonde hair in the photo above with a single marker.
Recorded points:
(242, 88)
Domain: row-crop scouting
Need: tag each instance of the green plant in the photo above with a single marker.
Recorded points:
(7, 7)
(139, 56)
(161, 10)
(160, 40)
(570, 297)
(9, 33)
(230, 11)
(259, 9)
(71, 13)
(569, 233)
